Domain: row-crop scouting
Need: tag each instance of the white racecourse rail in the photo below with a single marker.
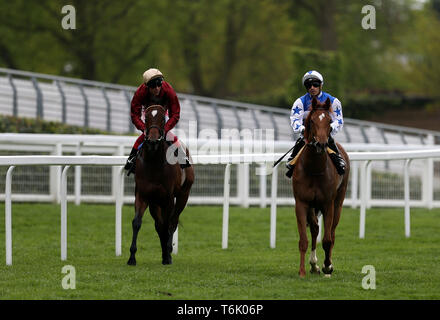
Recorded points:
(118, 161)
(249, 191)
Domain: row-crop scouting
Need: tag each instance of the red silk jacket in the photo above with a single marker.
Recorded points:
(167, 98)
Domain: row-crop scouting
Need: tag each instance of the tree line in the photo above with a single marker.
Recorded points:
(248, 50)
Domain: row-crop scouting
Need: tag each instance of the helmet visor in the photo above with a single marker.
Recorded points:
(154, 83)
(312, 82)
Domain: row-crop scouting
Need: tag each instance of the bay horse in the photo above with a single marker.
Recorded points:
(160, 184)
(318, 187)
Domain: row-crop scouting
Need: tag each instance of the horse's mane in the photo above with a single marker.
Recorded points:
(316, 106)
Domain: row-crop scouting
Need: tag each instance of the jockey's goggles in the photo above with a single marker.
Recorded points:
(314, 83)
(154, 83)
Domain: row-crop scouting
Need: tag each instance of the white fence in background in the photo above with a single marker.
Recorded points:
(248, 185)
(365, 159)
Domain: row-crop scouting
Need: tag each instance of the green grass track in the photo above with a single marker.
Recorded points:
(406, 268)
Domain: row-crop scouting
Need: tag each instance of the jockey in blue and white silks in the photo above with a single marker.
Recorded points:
(313, 82)
(300, 110)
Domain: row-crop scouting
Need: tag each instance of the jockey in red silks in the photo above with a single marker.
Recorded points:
(154, 90)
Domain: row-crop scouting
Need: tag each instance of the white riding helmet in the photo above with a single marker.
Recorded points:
(313, 74)
(151, 74)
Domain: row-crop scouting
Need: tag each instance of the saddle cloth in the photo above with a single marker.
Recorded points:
(294, 160)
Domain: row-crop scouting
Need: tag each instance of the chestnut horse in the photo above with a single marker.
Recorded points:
(160, 184)
(318, 187)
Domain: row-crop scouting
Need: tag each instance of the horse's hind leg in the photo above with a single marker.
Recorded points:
(337, 214)
(327, 241)
(301, 219)
(314, 230)
(182, 198)
(162, 225)
(140, 207)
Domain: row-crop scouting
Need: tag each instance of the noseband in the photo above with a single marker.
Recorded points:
(161, 132)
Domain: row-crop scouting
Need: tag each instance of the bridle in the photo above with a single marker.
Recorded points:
(154, 126)
(161, 131)
(313, 141)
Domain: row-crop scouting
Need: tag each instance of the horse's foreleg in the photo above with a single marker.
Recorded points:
(165, 232)
(337, 210)
(327, 241)
(164, 237)
(140, 207)
(314, 230)
(301, 219)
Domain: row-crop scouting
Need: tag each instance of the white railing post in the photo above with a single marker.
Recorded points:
(78, 177)
(363, 190)
(407, 198)
(273, 207)
(55, 175)
(354, 183)
(226, 190)
(428, 183)
(243, 184)
(263, 185)
(115, 171)
(176, 241)
(8, 215)
(63, 200)
(369, 184)
(118, 214)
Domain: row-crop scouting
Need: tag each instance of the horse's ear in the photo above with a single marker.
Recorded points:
(314, 102)
(327, 104)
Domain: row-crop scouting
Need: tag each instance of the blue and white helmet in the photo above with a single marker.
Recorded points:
(313, 74)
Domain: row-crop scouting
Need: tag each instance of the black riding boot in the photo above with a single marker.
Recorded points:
(338, 161)
(182, 158)
(131, 162)
(298, 145)
(180, 154)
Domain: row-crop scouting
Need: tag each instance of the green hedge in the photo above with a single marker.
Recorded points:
(365, 106)
(12, 124)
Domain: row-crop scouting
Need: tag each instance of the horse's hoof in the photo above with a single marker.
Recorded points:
(315, 269)
(327, 270)
(328, 275)
(167, 261)
(131, 262)
(302, 274)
